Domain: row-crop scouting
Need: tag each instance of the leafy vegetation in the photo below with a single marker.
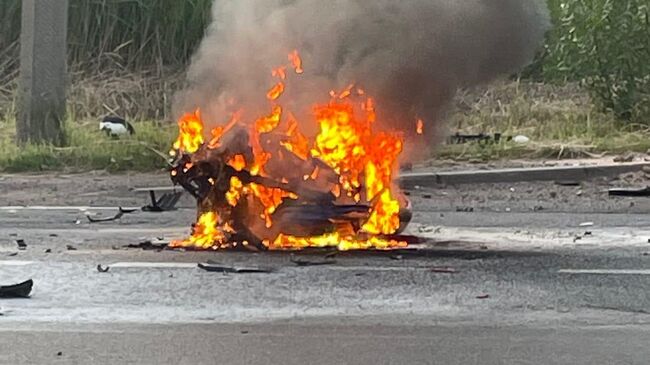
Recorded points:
(606, 45)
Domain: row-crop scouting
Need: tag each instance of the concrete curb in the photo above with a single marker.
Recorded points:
(563, 173)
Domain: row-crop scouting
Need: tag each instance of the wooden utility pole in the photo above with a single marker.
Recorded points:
(43, 72)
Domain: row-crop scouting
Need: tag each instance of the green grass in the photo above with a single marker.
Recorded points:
(89, 150)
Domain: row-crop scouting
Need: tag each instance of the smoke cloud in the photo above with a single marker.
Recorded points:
(410, 55)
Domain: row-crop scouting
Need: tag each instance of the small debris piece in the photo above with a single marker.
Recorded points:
(577, 238)
(624, 158)
(465, 209)
(148, 246)
(71, 248)
(484, 296)
(427, 196)
(215, 267)
(633, 192)
(588, 233)
(305, 263)
(443, 270)
(21, 244)
(102, 269)
(587, 224)
(48, 250)
(54, 235)
(397, 257)
(117, 216)
(579, 193)
(13, 234)
(244, 332)
(21, 290)
(60, 353)
(520, 139)
(13, 254)
(167, 202)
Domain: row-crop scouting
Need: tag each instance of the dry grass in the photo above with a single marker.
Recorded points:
(561, 121)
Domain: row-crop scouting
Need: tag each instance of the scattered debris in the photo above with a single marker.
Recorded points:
(397, 257)
(587, 224)
(102, 269)
(71, 248)
(21, 290)
(588, 233)
(77, 222)
(630, 192)
(304, 263)
(521, 139)
(149, 246)
(13, 234)
(21, 244)
(48, 250)
(166, 203)
(54, 235)
(117, 216)
(577, 238)
(579, 193)
(625, 158)
(465, 209)
(484, 296)
(443, 270)
(427, 196)
(480, 138)
(60, 353)
(216, 267)
(13, 254)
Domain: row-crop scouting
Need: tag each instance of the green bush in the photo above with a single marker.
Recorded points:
(606, 45)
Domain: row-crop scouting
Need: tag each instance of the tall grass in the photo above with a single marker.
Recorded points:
(125, 34)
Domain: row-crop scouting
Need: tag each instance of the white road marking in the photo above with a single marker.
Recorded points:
(61, 207)
(16, 263)
(154, 265)
(605, 272)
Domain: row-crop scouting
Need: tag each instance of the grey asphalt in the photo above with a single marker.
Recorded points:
(506, 302)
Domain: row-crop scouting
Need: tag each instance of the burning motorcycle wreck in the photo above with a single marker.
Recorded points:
(262, 182)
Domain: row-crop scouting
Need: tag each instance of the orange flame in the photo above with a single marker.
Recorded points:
(190, 136)
(296, 62)
(276, 91)
(364, 160)
(237, 162)
(206, 234)
(420, 127)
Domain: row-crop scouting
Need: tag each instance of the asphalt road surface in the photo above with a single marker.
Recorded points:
(508, 283)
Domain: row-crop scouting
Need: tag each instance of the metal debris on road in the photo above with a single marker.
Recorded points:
(484, 296)
(49, 250)
(70, 248)
(587, 224)
(304, 263)
(148, 246)
(22, 290)
(21, 244)
(13, 254)
(102, 269)
(117, 216)
(216, 267)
